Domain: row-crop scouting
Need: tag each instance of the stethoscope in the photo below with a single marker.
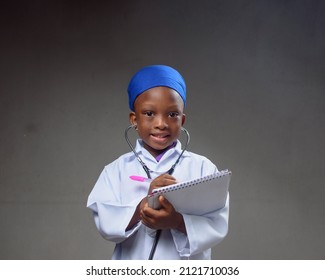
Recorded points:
(148, 171)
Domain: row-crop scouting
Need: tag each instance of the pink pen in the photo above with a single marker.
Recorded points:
(140, 178)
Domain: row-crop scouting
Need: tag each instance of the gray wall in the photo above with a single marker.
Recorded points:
(255, 77)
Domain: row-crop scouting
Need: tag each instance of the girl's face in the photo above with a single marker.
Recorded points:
(159, 117)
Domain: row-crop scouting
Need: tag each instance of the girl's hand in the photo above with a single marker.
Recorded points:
(162, 181)
(164, 218)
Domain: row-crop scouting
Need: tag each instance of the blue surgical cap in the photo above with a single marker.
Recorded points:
(155, 76)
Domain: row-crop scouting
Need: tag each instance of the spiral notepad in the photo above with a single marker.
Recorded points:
(197, 197)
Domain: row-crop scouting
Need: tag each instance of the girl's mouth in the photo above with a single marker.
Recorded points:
(160, 138)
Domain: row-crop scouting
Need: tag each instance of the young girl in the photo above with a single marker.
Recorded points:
(157, 97)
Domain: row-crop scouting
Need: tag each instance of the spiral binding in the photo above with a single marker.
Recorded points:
(190, 183)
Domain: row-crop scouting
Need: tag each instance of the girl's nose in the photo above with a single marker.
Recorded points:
(161, 122)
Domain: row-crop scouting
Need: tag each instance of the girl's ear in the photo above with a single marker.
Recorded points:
(183, 119)
(133, 119)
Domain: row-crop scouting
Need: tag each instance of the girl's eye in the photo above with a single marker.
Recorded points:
(173, 114)
(148, 114)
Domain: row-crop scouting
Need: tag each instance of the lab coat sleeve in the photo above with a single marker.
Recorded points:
(110, 215)
(203, 232)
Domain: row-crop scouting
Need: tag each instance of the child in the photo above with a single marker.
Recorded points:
(157, 97)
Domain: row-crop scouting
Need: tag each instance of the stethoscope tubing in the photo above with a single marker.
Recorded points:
(144, 166)
(147, 170)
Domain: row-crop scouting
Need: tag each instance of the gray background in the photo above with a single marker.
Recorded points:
(255, 77)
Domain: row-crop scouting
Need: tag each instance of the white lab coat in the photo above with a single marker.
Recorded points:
(115, 197)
